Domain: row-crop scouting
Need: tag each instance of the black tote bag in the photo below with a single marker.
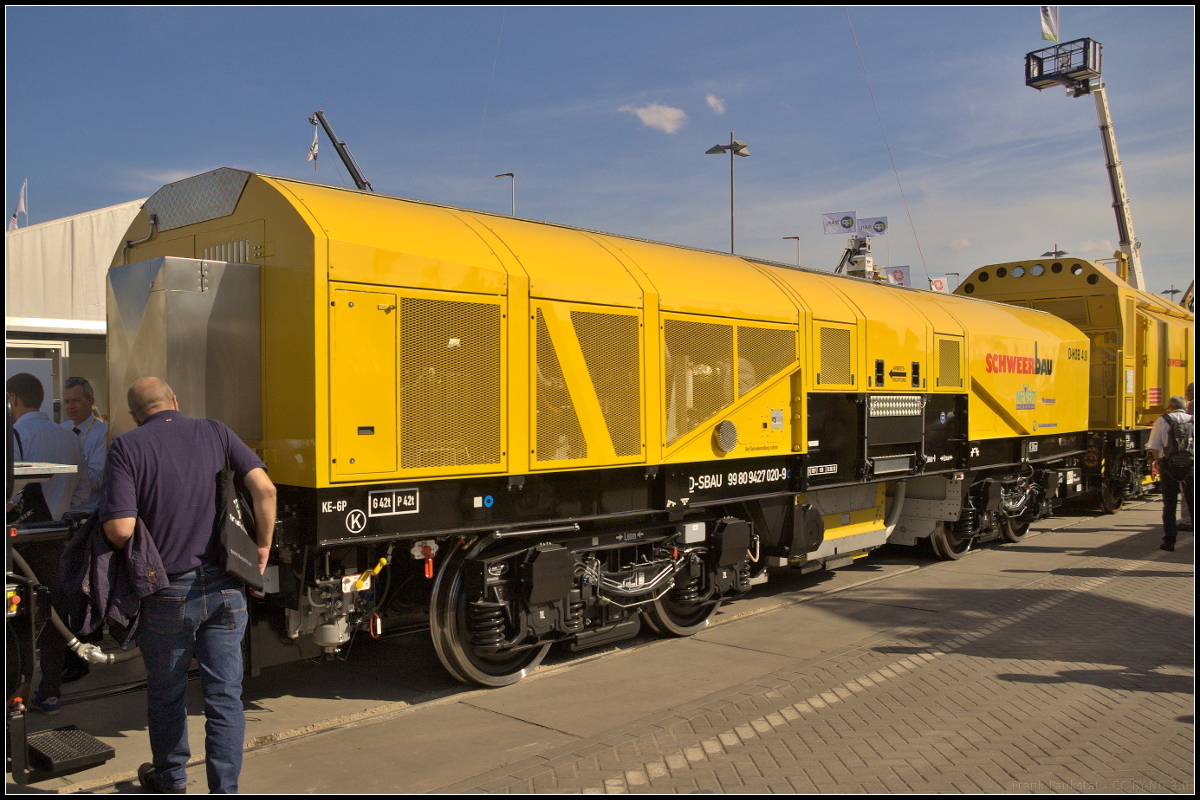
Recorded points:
(237, 549)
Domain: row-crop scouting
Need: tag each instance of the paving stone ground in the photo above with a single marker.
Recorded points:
(1081, 681)
(1062, 664)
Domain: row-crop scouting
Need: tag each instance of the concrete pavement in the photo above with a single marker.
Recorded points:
(1063, 663)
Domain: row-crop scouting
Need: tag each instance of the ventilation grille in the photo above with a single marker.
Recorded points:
(559, 437)
(1074, 311)
(835, 356)
(762, 352)
(238, 251)
(949, 363)
(450, 384)
(699, 377)
(610, 347)
(897, 405)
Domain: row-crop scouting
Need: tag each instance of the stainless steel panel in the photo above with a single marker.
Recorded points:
(198, 199)
(195, 324)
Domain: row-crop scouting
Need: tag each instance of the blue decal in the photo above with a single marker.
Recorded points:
(943, 417)
(488, 501)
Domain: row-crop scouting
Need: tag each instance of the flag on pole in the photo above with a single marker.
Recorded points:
(312, 149)
(872, 226)
(898, 276)
(21, 209)
(939, 285)
(1049, 23)
(839, 222)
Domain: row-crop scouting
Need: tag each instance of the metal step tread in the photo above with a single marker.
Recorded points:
(67, 748)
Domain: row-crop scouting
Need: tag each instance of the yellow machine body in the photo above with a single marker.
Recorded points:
(404, 340)
(1140, 345)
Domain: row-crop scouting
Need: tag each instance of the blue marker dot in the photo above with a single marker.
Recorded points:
(487, 501)
(943, 417)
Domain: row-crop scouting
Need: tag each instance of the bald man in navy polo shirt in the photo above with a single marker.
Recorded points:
(165, 473)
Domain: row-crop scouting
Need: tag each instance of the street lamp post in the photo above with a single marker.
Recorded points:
(797, 238)
(514, 190)
(734, 148)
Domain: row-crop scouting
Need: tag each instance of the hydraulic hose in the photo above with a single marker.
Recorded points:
(893, 516)
(88, 652)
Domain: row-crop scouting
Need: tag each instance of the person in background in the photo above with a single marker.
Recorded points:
(36, 438)
(79, 404)
(1186, 522)
(164, 474)
(1172, 439)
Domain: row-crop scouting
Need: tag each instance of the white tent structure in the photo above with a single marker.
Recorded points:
(54, 271)
(54, 294)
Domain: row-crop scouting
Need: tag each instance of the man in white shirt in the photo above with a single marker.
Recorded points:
(1172, 439)
(79, 404)
(37, 438)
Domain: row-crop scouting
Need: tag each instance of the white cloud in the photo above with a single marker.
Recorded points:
(715, 103)
(1101, 249)
(960, 244)
(151, 180)
(659, 117)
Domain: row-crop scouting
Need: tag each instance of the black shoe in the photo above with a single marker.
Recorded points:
(1169, 546)
(1185, 526)
(153, 784)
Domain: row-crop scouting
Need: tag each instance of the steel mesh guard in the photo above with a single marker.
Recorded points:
(949, 363)
(450, 383)
(610, 348)
(559, 436)
(762, 353)
(835, 356)
(699, 373)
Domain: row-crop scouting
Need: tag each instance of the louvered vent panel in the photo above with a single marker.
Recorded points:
(699, 377)
(949, 363)
(450, 386)
(610, 347)
(559, 437)
(762, 353)
(237, 251)
(835, 356)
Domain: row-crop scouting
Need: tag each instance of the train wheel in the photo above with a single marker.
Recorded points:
(1014, 531)
(452, 639)
(672, 617)
(1111, 498)
(948, 545)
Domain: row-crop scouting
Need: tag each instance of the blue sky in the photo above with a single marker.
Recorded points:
(604, 115)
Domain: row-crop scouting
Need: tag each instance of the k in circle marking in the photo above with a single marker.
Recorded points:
(356, 521)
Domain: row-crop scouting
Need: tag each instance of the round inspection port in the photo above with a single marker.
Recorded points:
(1037, 270)
(1018, 271)
(726, 436)
(983, 276)
(1076, 269)
(1000, 273)
(1056, 267)
(969, 288)
(1093, 279)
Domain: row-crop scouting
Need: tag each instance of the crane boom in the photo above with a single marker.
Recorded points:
(1116, 181)
(360, 180)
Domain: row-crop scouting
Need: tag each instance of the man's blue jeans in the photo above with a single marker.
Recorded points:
(201, 614)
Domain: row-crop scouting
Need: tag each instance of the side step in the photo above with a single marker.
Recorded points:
(67, 749)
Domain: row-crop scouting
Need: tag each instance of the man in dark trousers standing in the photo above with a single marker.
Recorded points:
(1172, 439)
(165, 473)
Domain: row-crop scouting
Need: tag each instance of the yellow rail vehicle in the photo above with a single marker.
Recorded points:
(527, 434)
(1140, 350)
